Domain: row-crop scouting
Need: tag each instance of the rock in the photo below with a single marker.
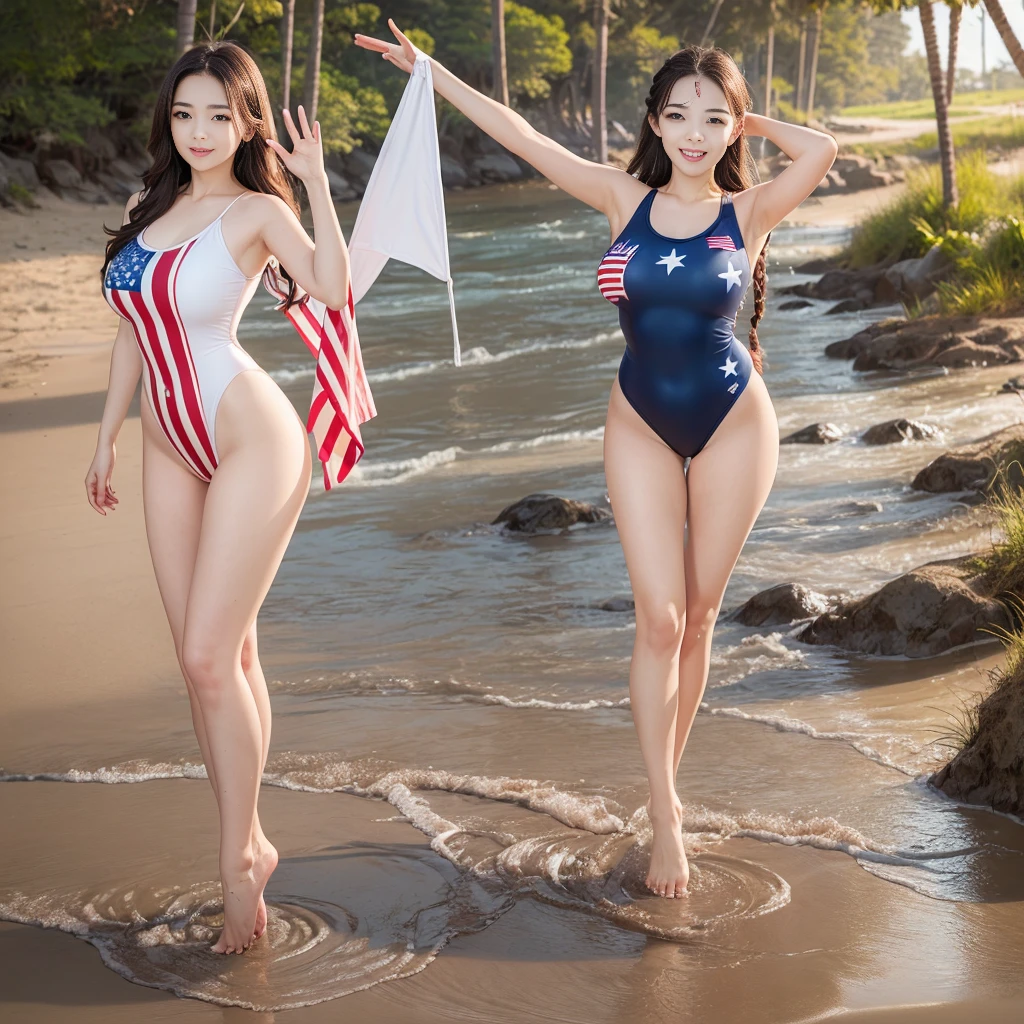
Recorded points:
(618, 604)
(62, 174)
(840, 284)
(934, 341)
(796, 304)
(989, 769)
(922, 613)
(548, 512)
(453, 174)
(816, 433)
(357, 167)
(341, 190)
(1014, 384)
(21, 171)
(781, 605)
(857, 507)
(974, 466)
(852, 305)
(914, 279)
(897, 431)
(117, 188)
(497, 167)
(816, 266)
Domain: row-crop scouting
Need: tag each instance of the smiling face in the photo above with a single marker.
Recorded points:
(203, 126)
(696, 126)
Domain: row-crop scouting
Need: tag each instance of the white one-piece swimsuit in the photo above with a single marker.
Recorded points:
(184, 304)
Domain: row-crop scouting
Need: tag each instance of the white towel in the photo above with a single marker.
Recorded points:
(402, 213)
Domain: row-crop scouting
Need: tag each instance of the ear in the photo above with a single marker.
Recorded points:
(653, 122)
(737, 131)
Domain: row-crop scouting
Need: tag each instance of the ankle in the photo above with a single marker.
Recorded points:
(667, 812)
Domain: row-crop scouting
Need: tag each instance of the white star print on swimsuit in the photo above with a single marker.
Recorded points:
(730, 366)
(671, 261)
(731, 277)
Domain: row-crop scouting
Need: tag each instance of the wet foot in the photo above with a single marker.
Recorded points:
(243, 900)
(669, 872)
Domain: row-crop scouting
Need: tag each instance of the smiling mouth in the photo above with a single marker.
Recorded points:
(199, 152)
(693, 154)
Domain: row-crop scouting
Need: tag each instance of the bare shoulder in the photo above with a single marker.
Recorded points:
(268, 208)
(133, 201)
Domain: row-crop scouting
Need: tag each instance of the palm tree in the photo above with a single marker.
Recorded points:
(287, 38)
(710, 27)
(947, 160)
(186, 26)
(801, 73)
(311, 86)
(812, 77)
(599, 109)
(1010, 41)
(498, 51)
(955, 11)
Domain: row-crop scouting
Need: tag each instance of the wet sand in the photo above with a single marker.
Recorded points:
(90, 679)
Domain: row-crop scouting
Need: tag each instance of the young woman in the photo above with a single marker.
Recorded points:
(689, 229)
(226, 463)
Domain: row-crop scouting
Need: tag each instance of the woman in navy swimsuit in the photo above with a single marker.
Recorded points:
(688, 224)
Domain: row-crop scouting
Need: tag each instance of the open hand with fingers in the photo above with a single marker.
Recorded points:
(306, 160)
(402, 54)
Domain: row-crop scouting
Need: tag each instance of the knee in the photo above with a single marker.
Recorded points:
(700, 622)
(205, 665)
(660, 627)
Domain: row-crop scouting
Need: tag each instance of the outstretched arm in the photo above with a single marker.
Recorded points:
(602, 187)
(812, 153)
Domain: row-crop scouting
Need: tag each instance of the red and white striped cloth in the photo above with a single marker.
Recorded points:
(612, 270)
(341, 392)
(724, 242)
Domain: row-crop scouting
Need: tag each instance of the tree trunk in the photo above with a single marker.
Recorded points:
(812, 76)
(947, 158)
(802, 66)
(711, 22)
(954, 42)
(213, 19)
(1010, 41)
(186, 26)
(287, 39)
(769, 61)
(598, 103)
(498, 61)
(311, 87)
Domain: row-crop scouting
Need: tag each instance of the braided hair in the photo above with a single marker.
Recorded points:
(736, 170)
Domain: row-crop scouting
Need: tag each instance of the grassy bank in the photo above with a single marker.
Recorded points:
(964, 103)
(991, 134)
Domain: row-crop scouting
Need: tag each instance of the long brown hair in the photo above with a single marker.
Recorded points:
(255, 166)
(733, 173)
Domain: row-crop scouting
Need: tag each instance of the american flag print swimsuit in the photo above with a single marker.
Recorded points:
(683, 368)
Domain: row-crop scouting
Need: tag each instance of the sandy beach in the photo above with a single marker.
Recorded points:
(793, 923)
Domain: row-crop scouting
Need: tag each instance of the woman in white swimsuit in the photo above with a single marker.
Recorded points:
(226, 462)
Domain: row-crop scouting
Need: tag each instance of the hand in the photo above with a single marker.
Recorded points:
(306, 160)
(402, 56)
(97, 481)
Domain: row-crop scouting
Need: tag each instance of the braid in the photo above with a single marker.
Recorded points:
(760, 280)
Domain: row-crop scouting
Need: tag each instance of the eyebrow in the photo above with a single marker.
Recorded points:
(710, 110)
(209, 106)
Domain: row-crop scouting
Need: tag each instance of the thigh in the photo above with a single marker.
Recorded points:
(728, 482)
(252, 505)
(647, 488)
(173, 499)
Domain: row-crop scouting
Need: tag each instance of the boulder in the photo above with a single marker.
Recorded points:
(934, 341)
(1014, 384)
(816, 433)
(781, 605)
(857, 507)
(897, 431)
(989, 768)
(538, 512)
(453, 174)
(497, 167)
(974, 466)
(618, 604)
(796, 304)
(837, 284)
(21, 171)
(926, 611)
(914, 279)
(62, 174)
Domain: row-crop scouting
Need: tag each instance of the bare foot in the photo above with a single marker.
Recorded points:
(669, 872)
(243, 894)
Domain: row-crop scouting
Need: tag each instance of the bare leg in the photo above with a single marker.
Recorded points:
(252, 505)
(728, 483)
(648, 494)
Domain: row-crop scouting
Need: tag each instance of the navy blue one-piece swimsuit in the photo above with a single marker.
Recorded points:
(683, 367)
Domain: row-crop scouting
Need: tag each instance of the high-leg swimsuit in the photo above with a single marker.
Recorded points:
(683, 367)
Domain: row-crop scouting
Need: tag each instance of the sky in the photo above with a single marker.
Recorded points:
(969, 55)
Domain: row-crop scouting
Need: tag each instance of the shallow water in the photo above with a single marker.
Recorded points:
(467, 687)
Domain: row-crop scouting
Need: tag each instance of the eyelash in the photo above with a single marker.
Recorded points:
(182, 114)
(679, 117)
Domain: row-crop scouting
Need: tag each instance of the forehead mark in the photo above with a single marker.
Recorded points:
(696, 85)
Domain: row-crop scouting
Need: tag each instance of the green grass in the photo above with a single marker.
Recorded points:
(1006, 572)
(964, 104)
(991, 134)
(890, 234)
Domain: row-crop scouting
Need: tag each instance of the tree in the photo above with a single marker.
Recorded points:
(1003, 27)
(801, 73)
(287, 41)
(599, 109)
(311, 86)
(186, 26)
(710, 27)
(815, 49)
(955, 11)
(498, 51)
(947, 158)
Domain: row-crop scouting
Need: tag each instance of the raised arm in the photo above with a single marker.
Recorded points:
(605, 188)
(812, 153)
(321, 269)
